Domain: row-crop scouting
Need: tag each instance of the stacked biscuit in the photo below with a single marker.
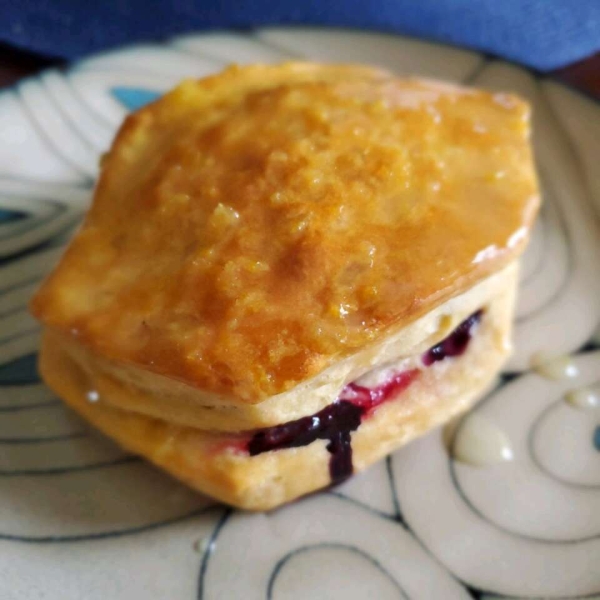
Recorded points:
(289, 271)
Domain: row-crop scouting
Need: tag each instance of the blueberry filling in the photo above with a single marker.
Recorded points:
(337, 421)
(334, 423)
(456, 343)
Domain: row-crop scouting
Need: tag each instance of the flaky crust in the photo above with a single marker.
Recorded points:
(205, 462)
(131, 388)
(253, 229)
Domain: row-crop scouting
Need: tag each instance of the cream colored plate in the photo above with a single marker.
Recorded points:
(79, 519)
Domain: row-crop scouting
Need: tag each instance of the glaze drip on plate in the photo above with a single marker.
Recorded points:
(337, 421)
(554, 367)
(480, 443)
(586, 398)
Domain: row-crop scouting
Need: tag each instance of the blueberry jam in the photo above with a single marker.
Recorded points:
(456, 343)
(334, 423)
(337, 421)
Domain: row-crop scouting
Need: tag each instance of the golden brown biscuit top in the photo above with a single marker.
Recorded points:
(251, 228)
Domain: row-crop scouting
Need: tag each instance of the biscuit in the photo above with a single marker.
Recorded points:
(274, 256)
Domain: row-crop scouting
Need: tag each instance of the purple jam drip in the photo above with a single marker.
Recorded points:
(337, 421)
(456, 343)
(333, 423)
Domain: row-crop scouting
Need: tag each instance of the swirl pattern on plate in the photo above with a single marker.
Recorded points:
(323, 538)
(540, 510)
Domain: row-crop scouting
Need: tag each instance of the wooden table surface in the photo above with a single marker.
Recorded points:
(15, 64)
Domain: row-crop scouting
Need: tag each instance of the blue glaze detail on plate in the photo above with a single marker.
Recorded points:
(597, 438)
(7, 216)
(134, 98)
(20, 371)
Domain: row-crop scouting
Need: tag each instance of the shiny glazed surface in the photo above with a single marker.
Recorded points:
(252, 228)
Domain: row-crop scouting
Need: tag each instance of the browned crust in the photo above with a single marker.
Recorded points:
(203, 460)
(253, 228)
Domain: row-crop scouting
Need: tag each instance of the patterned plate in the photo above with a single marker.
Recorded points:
(79, 518)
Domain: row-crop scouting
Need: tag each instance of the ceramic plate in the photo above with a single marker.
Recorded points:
(79, 518)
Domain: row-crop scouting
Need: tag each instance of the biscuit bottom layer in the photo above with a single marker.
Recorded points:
(337, 421)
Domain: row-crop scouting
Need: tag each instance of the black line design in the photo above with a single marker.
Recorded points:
(565, 134)
(35, 220)
(22, 283)
(531, 539)
(11, 408)
(281, 563)
(16, 253)
(481, 592)
(349, 500)
(474, 593)
(208, 55)
(193, 54)
(100, 118)
(170, 47)
(535, 459)
(392, 483)
(32, 179)
(270, 45)
(590, 346)
(25, 379)
(574, 151)
(52, 190)
(73, 469)
(13, 311)
(558, 292)
(42, 440)
(54, 148)
(210, 550)
(11, 177)
(67, 119)
(479, 68)
(507, 378)
(126, 70)
(427, 551)
(20, 334)
(42, 230)
(32, 221)
(55, 539)
(540, 258)
(44, 244)
(549, 192)
(355, 502)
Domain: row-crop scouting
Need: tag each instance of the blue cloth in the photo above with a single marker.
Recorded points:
(544, 34)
